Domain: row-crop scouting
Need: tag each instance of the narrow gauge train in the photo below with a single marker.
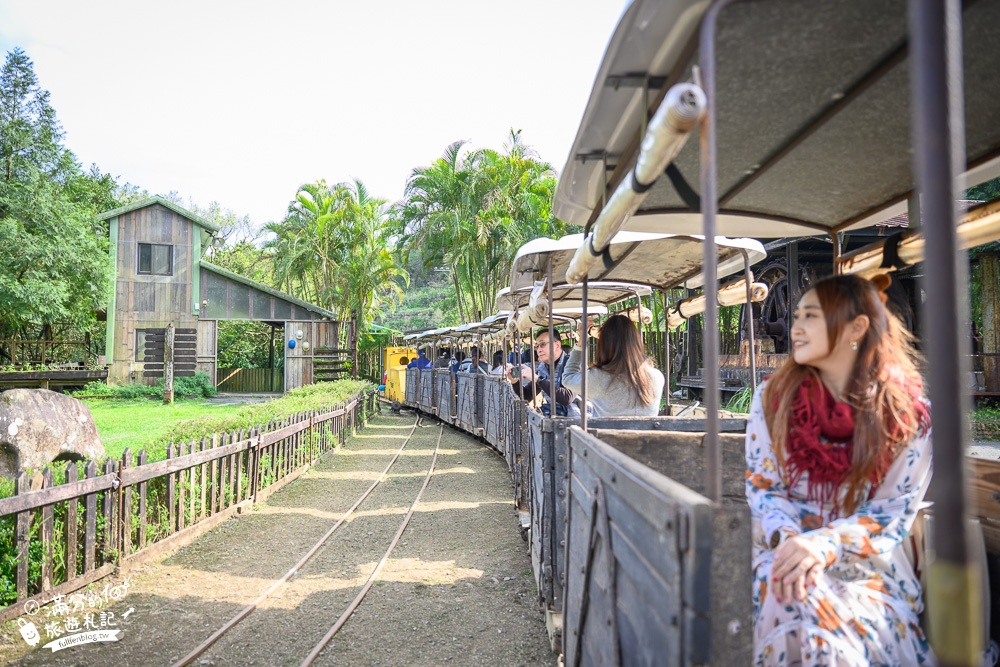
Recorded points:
(639, 529)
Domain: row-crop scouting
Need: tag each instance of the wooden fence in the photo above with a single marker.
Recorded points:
(250, 380)
(65, 536)
(24, 352)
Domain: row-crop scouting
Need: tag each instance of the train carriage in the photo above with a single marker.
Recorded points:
(638, 528)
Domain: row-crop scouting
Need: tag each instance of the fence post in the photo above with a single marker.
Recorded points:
(90, 511)
(255, 468)
(109, 504)
(71, 512)
(23, 528)
(48, 520)
(125, 510)
(142, 502)
(168, 364)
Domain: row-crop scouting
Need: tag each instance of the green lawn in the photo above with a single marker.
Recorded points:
(139, 424)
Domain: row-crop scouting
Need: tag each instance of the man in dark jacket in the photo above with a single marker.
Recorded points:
(526, 385)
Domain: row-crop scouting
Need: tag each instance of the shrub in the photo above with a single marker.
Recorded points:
(198, 385)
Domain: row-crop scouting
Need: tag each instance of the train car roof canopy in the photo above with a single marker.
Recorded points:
(813, 120)
(655, 260)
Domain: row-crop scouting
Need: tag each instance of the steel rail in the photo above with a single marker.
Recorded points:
(250, 608)
(378, 568)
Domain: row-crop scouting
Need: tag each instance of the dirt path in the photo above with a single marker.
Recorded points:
(457, 590)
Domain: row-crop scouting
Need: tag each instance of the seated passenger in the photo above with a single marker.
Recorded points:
(622, 381)
(498, 367)
(527, 386)
(456, 361)
(444, 358)
(473, 364)
(838, 452)
(421, 361)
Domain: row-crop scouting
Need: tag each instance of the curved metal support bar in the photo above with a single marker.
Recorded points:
(674, 121)
(749, 317)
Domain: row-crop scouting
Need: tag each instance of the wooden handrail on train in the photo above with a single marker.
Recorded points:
(978, 226)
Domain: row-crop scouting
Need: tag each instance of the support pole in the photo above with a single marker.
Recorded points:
(749, 319)
(666, 350)
(584, 362)
(953, 587)
(270, 359)
(710, 268)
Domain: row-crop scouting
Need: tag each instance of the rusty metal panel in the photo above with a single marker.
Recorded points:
(469, 390)
(640, 549)
(412, 390)
(493, 412)
(428, 391)
(444, 381)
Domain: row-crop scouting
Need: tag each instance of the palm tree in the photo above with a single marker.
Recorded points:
(332, 248)
(471, 215)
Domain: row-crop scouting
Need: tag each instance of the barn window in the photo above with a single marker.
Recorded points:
(156, 260)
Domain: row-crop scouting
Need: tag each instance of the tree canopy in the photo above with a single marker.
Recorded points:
(468, 214)
(55, 269)
(333, 249)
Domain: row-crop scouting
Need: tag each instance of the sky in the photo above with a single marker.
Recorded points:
(241, 102)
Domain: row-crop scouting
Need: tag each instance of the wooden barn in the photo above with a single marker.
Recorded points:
(162, 278)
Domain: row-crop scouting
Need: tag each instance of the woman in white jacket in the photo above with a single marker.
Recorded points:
(622, 382)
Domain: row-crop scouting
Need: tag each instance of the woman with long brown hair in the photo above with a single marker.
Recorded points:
(838, 459)
(622, 380)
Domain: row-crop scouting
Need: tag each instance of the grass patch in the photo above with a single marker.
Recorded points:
(143, 424)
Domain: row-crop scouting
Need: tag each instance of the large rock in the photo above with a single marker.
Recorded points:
(38, 426)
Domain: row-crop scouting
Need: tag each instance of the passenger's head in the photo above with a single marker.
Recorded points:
(422, 352)
(620, 352)
(542, 346)
(497, 358)
(843, 322)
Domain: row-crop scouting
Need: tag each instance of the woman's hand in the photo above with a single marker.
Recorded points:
(798, 563)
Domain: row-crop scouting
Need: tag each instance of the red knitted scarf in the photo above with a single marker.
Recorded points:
(815, 414)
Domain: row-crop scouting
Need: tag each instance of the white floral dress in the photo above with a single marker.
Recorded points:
(864, 610)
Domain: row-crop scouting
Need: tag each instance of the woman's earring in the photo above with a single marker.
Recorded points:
(854, 345)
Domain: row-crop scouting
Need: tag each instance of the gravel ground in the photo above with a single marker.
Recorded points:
(985, 450)
(457, 589)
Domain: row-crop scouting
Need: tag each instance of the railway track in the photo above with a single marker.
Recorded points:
(315, 560)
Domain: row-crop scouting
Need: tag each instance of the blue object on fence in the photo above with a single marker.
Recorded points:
(291, 343)
(381, 387)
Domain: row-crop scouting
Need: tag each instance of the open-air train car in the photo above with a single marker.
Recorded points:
(540, 454)
(812, 119)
